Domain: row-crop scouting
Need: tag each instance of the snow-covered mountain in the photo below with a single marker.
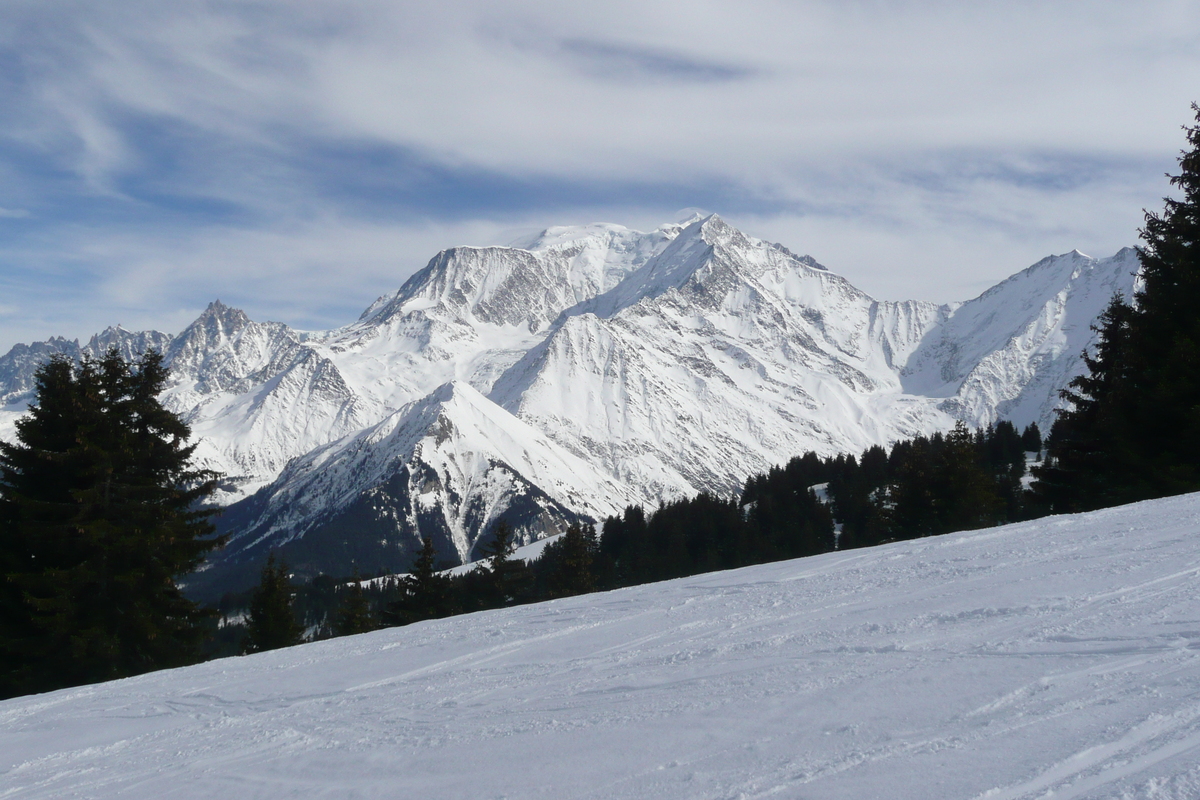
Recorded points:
(19, 365)
(1051, 659)
(723, 356)
(1005, 354)
(447, 466)
(587, 368)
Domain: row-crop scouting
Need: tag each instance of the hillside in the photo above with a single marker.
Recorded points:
(1058, 658)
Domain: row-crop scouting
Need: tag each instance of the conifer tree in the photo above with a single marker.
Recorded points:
(966, 494)
(1088, 457)
(570, 562)
(508, 578)
(624, 544)
(354, 612)
(1031, 438)
(99, 516)
(1133, 428)
(424, 593)
(272, 621)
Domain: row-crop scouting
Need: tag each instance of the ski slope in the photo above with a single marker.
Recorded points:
(1054, 659)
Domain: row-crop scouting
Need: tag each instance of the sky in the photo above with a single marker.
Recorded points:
(299, 159)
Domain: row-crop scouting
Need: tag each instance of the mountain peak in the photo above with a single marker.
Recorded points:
(216, 324)
(226, 315)
(605, 366)
(686, 216)
(526, 286)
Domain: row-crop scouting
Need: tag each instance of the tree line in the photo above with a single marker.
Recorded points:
(920, 487)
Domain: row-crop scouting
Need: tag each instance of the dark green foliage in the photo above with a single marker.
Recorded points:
(681, 538)
(624, 546)
(568, 565)
(424, 593)
(272, 620)
(858, 492)
(943, 484)
(1133, 431)
(316, 605)
(354, 614)
(505, 581)
(1089, 459)
(922, 487)
(99, 515)
(1031, 438)
(779, 518)
(784, 519)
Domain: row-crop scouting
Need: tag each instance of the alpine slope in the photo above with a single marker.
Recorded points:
(1052, 659)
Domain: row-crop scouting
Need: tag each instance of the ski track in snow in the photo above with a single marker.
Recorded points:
(1053, 659)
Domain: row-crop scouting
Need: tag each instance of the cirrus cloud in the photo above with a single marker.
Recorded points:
(300, 158)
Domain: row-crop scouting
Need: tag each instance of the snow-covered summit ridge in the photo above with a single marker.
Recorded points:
(528, 285)
(1002, 354)
(704, 250)
(716, 358)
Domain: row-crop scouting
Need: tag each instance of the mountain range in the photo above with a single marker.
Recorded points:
(569, 375)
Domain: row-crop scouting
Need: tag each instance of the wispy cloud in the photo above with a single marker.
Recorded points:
(144, 144)
(627, 63)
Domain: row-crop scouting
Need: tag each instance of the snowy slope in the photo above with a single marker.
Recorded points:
(447, 466)
(1005, 354)
(473, 311)
(1055, 659)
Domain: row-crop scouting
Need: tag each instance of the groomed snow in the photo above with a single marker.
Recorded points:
(1054, 659)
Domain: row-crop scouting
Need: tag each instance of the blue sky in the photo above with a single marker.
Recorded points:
(299, 159)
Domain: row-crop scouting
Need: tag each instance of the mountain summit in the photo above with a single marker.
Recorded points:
(587, 368)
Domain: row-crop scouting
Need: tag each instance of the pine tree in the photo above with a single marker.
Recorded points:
(911, 501)
(624, 541)
(942, 485)
(353, 614)
(966, 493)
(1133, 430)
(508, 579)
(424, 593)
(272, 621)
(1031, 438)
(99, 515)
(570, 560)
(1089, 459)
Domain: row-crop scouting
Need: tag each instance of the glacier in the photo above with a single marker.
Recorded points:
(1058, 658)
(580, 370)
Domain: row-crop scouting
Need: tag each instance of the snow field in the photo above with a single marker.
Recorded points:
(1053, 659)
